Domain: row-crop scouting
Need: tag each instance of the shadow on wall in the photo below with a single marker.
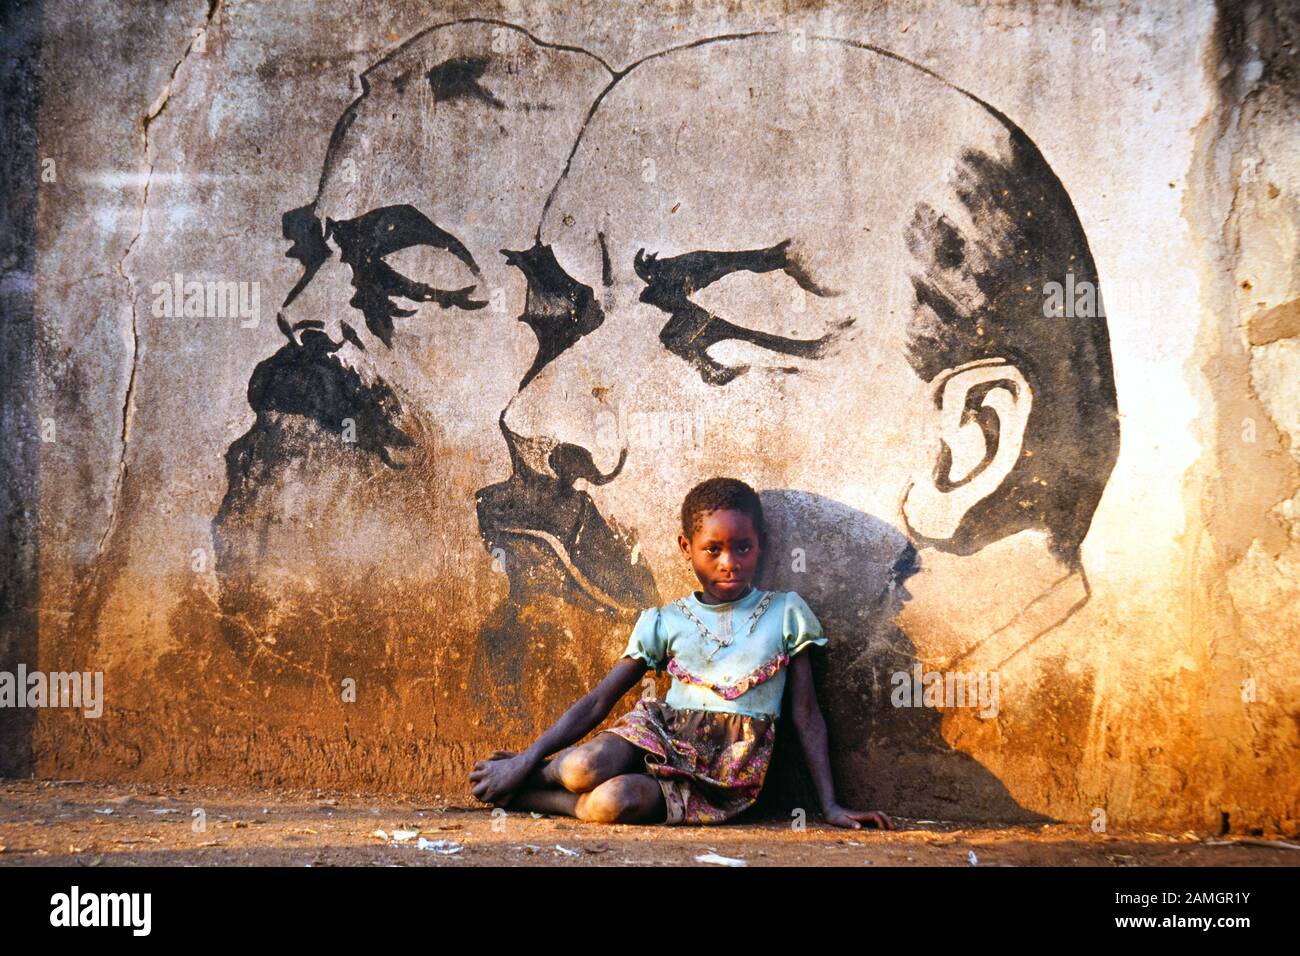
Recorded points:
(851, 568)
(20, 46)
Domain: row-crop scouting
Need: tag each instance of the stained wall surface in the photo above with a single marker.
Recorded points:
(357, 363)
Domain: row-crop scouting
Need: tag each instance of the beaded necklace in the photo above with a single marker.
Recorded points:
(722, 642)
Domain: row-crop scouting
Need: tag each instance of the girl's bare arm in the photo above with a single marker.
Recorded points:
(587, 711)
(493, 780)
(810, 724)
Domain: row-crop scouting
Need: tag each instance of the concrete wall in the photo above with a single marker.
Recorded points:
(368, 550)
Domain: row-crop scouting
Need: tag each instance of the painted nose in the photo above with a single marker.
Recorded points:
(564, 423)
(320, 309)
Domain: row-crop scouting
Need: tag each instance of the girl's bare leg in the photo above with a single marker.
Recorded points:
(627, 798)
(547, 800)
(593, 781)
(582, 768)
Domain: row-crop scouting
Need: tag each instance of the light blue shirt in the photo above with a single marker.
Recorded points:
(744, 676)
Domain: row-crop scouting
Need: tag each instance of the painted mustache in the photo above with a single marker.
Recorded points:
(571, 462)
(307, 379)
(317, 339)
(540, 519)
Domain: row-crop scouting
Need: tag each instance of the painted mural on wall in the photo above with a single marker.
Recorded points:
(832, 261)
(444, 160)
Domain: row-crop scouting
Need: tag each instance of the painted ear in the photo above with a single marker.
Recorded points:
(983, 409)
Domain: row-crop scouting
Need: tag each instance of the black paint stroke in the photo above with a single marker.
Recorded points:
(532, 514)
(364, 242)
(375, 234)
(308, 380)
(692, 330)
(301, 227)
(559, 309)
(458, 78)
(979, 295)
(606, 267)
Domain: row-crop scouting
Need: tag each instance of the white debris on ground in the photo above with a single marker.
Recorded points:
(445, 847)
(403, 837)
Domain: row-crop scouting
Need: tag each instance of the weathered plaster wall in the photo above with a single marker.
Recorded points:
(229, 569)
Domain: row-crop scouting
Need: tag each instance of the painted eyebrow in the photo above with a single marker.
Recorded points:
(696, 270)
(692, 330)
(388, 229)
(364, 242)
(369, 236)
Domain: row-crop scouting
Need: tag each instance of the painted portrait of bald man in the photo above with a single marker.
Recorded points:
(840, 261)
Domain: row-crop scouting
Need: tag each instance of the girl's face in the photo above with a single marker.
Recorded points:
(724, 551)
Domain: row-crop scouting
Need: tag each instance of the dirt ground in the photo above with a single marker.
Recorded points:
(69, 823)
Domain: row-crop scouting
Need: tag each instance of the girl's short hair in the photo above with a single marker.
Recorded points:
(723, 494)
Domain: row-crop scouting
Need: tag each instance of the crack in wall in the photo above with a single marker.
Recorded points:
(128, 402)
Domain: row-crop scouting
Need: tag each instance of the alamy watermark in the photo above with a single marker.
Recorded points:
(76, 689)
(130, 910)
(213, 299)
(918, 688)
(650, 429)
(1072, 299)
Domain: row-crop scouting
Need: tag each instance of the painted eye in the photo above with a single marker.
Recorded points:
(698, 289)
(430, 266)
(769, 303)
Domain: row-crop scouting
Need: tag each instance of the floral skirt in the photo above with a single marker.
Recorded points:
(710, 765)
